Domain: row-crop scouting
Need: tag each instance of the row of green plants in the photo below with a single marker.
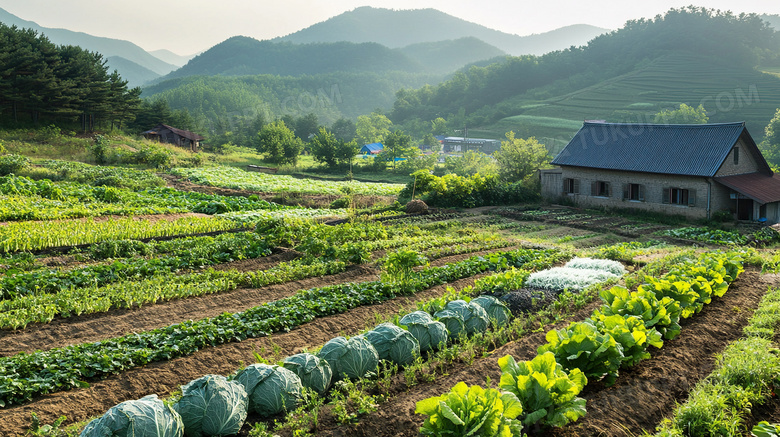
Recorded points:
(452, 190)
(205, 251)
(377, 353)
(747, 374)
(72, 302)
(43, 295)
(38, 235)
(616, 336)
(98, 175)
(25, 375)
(230, 177)
(763, 236)
(45, 200)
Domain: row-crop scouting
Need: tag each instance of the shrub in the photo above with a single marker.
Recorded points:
(13, 164)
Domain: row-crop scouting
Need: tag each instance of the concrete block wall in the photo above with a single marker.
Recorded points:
(653, 184)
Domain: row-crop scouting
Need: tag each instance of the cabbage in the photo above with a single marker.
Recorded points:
(271, 389)
(428, 332)
(497, 311)
(453, 321)
(212, 406)
(145, 417)
(352, 358)
(314, 372)
(474, 317)
(394, 344)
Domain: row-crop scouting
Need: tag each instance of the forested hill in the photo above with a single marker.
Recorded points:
(242, 56)
(401, 28)
(518, 86)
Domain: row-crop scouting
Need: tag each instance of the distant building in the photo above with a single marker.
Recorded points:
(372, 149)
(167, 134)
(692, 170)
(460, 144)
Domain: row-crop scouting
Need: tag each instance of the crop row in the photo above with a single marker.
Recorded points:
(28, 199)
(25, 375)
(544, 390)
(32, 236)
(229, 177)
(18, 313)
(208, 251)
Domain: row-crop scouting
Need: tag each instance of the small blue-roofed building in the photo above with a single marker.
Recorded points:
(372, 149)
(694, 170)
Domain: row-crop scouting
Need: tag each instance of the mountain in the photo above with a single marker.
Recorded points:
(401, 28)
(134, 74)
(690, 55)
(108, 47)
(242, 55)
(447, 56)
(171, 58)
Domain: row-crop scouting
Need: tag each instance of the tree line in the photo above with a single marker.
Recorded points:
(44, 82)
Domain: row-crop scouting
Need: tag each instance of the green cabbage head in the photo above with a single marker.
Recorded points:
(145, 417)
(394, 344)
(315, 373)
(428, 332)
(271, 389)
(352, 358)
(497, 312)
(474, 317)
(212, 406)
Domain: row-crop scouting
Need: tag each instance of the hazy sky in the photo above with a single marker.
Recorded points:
(189, 26)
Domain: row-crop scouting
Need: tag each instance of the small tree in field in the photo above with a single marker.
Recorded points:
(519, 159)
(279, 144)
(771, 144)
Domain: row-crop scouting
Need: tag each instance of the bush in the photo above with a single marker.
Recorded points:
(13, 164)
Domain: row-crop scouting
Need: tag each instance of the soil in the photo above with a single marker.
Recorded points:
(643, 395)
(165, 377)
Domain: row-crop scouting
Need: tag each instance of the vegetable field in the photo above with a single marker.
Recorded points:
(378, 325)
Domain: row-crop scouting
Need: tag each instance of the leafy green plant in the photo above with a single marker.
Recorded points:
(547, 392)
(663, 315)
(212, 406)
(631, 333)
(472, 411)
(271, 389)
(394, 344)
(582, 346)
(765, 429)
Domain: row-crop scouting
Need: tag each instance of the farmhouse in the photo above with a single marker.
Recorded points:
(167, 134)
(690, 170)
(461, 144)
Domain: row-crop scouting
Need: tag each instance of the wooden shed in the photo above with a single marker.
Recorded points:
(168, 134)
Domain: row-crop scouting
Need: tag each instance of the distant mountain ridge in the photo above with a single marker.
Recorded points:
(108, 47)
(401, 28)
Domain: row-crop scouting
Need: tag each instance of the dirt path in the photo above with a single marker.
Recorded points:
(640, 399)
(165, 377)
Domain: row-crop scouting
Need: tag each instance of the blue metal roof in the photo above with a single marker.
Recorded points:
(680, 149)
(373, 147)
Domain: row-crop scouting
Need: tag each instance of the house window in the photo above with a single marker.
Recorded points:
(736, 156)
(571, 186)
(679, 196)
(600, 189)
(635, 192)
